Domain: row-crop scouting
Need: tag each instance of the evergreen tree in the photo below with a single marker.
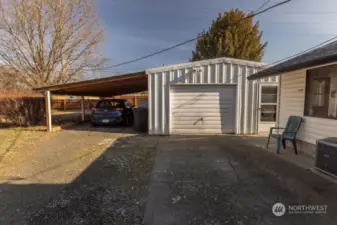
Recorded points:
(241, 40)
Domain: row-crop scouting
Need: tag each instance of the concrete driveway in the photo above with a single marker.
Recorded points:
(108, 175)
(225, 180)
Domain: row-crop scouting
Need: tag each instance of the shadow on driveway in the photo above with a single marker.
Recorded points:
(111, 190)
(226, 180)
(164, 180)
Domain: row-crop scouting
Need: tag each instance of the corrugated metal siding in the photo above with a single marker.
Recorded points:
(220, 71)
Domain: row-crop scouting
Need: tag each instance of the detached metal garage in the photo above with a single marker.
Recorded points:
(204, 97)
(211, 97)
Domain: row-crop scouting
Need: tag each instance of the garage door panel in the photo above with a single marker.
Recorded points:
(204, 102)
(202, 127)
(203, 109)
(197, 94)
(200, 89)
(204, 115)
(202, 131)
(187, 119)
(204, 112)
(197, 122)
(201, 98)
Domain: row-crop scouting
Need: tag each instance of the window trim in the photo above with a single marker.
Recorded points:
(275, 84)
(306, 93)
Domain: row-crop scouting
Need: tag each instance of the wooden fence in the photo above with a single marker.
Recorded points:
(64, 104)
(29, 107)
(75, 104)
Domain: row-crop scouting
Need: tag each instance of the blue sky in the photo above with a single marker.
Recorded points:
(138, 27)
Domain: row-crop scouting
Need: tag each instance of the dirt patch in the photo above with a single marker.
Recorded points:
(16, 141)
(112, 190)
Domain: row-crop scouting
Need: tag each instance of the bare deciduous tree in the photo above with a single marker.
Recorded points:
(49, 41)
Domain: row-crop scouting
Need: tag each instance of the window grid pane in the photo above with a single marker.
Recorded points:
(268, 113)
(268, 94)
(321, 94)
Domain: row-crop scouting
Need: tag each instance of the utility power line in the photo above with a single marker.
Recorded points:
(193, 39)
(263, 5)
(275, 62)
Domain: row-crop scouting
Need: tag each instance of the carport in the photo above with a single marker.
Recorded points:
(103, 87)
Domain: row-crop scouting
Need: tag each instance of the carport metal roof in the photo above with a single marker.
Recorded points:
(103, 87)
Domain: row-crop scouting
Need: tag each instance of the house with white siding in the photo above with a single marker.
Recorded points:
(308, 88)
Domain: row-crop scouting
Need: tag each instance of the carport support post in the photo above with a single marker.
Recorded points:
(82, 108)
(48, 111)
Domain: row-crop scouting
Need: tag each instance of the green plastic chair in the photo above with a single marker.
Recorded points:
(289, 133)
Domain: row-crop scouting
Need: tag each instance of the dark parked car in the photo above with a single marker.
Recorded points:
(112, 111)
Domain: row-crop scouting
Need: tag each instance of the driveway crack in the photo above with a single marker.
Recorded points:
(234, 169)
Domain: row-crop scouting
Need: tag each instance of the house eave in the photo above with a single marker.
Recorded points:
(305, 65)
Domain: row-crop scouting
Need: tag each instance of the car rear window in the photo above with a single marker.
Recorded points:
(110, 104)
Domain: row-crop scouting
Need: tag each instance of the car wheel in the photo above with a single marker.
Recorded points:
(93, 124)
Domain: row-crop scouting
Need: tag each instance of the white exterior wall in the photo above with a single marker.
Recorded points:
(219, 71)
(292, 100)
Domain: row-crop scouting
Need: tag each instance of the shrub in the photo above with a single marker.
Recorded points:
(22, 108)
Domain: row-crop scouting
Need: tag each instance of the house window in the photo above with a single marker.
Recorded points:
(321, 92)
(268, 103)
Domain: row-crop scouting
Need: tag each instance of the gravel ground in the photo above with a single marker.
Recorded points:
(14, 140)
(80, 176)
(108, 175)
(112, 190)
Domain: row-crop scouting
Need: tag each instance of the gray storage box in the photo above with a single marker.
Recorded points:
(140, 119)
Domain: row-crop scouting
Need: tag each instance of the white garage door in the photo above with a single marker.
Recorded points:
(204, 109)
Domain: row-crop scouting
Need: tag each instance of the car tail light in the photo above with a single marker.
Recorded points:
(94, 110)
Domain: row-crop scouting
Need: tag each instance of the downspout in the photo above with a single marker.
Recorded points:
(279, 101)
